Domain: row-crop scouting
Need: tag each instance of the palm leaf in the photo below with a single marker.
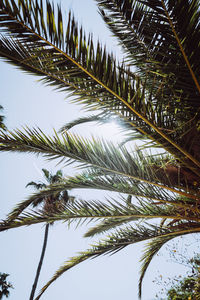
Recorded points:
(91, 179)
(114, 243)
(99, 119)
(170, 35)
(79, 69)
(46, 175)
(93, 210)
(101, 155)
(118, 213)
(152, 248)
(86, 181)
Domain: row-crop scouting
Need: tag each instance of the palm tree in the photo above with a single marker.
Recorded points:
(51, 204)
(4, 285)
(154, 93)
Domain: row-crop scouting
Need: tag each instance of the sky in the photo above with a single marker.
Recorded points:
(27, 102)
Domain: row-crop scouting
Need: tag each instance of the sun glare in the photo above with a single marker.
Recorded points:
(110, 132)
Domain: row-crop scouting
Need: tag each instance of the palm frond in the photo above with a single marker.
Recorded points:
(118, 213)
(100, 118)
(156, 244)
(97, 154)
(161, 42)
(153, 247)
(157, 101)
(47, 175)
(120, 185)
(37, 186)
(113, 244)
(155, 35)
(79, 68)
(106, 225)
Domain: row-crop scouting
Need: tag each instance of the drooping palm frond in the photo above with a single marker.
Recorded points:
(106, 225)
(116, 242)
(75, 67)
(90, 74)
(100, 118)
(100, 155)
(115, 183)
(81, 211)
(137, 189)
(151, 249)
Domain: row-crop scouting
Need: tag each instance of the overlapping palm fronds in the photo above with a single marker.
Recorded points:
(116, 242)
(92, 75)
(154, 94)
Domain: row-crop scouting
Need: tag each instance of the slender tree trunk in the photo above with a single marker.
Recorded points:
(40, 262)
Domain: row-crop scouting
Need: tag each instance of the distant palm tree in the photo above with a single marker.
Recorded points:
(4, 286)
(50, 204)
(154, 94)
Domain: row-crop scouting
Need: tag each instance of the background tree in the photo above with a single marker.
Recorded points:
(50, 204)
(4, 285)
(186, 289)
(154, 93)
(184, 285)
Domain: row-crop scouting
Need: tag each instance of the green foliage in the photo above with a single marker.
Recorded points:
(189, 286)
(183, 291)
(184, 286)
(154, 95)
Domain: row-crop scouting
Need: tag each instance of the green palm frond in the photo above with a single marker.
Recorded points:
(120, 17)
(154, 94)
(46, 174)
(151, 250)
(90, 74)
(124, 125)
(100, 118)
(118, 213)
(92, 210)
(37, 186)
(116, 242)
(75, 67)
(144, 28)
(115, 183)
(97, 154)
(156, 244)
(107, 224)
(162, 50)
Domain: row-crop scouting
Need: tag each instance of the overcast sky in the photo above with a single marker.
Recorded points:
(28, 102)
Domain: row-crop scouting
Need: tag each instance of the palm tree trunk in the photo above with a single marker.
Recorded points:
(40, 262)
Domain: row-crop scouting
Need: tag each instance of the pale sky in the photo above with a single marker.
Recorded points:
(28, 102)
